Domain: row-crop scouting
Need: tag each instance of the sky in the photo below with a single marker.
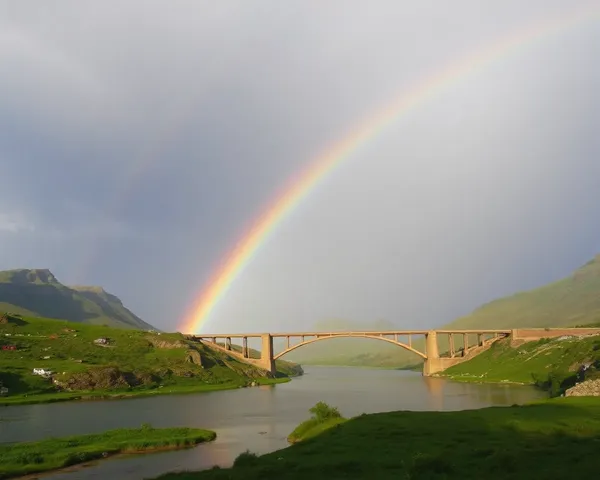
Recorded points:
(139, 139)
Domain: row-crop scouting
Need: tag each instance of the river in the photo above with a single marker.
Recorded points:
(258, 419)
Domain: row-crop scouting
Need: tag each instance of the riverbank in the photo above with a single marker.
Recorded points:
(45, 361)
(551, 364)
(54, 397)
(55, 453)
(549, 439)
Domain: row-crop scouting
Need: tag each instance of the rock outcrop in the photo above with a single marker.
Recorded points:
(105, 378)
(589, 388)
(193, 356)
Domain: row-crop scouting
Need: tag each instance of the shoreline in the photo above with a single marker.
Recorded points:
(109, 456)
(80, 451)
(105, 395)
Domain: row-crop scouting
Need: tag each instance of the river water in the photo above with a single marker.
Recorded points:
(256, 419)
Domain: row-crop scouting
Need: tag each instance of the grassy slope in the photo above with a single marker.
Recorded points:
(574, 300)
(39, 293)
(529, 363)
(52, 453)
(132, 353)
(552, 440)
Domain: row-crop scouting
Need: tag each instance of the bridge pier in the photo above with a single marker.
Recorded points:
(432, 362)
(266, 354)
(228, 343)
(245, 347)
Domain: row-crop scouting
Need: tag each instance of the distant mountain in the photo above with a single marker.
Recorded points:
(574, 300)
(37, 292)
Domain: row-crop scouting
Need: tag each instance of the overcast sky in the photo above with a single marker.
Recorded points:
(138, 139)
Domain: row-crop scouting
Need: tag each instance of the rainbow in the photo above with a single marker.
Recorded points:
(323, 166)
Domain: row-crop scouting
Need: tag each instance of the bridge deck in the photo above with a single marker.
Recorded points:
(357, 333)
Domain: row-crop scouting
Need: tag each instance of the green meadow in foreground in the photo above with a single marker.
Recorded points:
(553, 439)
(53, 453)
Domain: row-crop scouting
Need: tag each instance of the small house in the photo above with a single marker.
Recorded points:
(42, 372)
(3, 391)
(9, 347)
(101, 341)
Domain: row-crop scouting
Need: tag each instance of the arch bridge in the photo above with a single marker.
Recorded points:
(470, 343)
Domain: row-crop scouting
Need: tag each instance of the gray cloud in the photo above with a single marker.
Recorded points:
(142, 139)
(14, 223)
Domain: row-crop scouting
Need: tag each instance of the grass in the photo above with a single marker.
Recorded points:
(531, 363)
(554, 439)
(135, 363)
(54, 453)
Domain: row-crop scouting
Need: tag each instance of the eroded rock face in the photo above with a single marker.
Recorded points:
(106, 378)
(193, 356)
(159, 343)
(589, 388)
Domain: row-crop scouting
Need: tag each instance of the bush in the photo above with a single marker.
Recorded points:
(556, 382)
(246, 459)
(322, 412)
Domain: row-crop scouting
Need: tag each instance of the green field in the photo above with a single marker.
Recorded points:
(134, 362)
(550, 363)
(554, 439)
(53, 453)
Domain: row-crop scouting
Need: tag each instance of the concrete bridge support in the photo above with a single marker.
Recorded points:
(432, 362)
(266, 354)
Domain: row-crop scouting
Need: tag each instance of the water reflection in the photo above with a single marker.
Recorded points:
(258, 419)
(435, 388)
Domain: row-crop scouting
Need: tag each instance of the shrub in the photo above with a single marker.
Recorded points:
(246, 459)
(322, 412)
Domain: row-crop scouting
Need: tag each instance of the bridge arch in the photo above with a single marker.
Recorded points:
(349, 335)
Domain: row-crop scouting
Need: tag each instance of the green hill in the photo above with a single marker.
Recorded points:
(572, 301)
(129, 361)
(38, 293)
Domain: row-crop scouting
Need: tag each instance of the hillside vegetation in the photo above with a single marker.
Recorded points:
(553, 364)
(553, 439)
(38, 293)
(130, 362)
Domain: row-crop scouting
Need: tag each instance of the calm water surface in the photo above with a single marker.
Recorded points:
(258, 419)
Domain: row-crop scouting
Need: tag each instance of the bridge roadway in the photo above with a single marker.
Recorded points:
(472, 342)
